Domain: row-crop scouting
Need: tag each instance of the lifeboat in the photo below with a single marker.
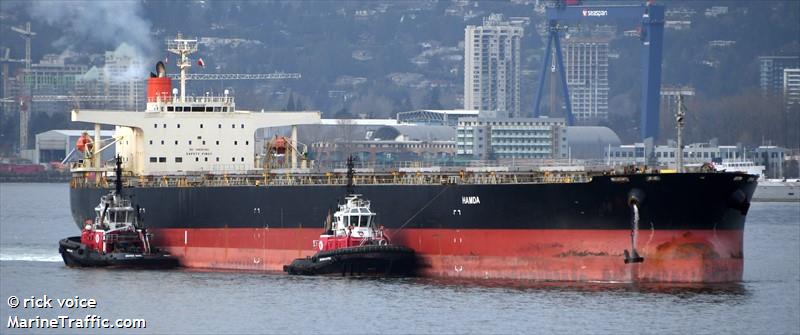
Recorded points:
(352, 245)
(115, 238)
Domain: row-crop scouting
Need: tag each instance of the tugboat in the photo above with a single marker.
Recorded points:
(115, 238)
(353, 245)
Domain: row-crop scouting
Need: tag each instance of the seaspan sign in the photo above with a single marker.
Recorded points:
(591, 12)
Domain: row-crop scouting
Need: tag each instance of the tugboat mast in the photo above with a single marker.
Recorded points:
(350, 174)
(118, 172)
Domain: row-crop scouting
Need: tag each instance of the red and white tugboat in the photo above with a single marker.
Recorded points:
(115, 237)
(353, 245)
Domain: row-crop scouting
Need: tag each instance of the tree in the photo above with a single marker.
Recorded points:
(290, 105)
(433, 99)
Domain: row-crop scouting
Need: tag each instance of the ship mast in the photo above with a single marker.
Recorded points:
(183, 47)
(679, 116)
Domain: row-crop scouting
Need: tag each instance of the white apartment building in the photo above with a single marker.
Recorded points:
(586, 65)
(492, 67)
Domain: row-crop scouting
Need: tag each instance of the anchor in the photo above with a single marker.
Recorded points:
(633, 256)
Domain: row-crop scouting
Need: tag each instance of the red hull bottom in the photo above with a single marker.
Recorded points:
(686, 256)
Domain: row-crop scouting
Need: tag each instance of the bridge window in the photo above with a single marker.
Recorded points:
(176, 142)
(162, 159)
(155, 125)
(217, 142)
(178, 159)
(233, 126)
(235, 142)
(201, 126)
(151, 142)
(217, 159)
(162, 142)
(153, 160)
(204, 142)
(197, 159)
(242, 159)
(246, 142)
(242, 126)
(165, 125)
(233, 159)
(179, 125)
(205, 159)
(197, 109)
(219, 126)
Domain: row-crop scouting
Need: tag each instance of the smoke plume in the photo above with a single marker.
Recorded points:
(110, 23)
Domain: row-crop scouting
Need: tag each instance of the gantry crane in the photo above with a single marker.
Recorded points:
(652, 33)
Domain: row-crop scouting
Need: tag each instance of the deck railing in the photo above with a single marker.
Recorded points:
(101, 179)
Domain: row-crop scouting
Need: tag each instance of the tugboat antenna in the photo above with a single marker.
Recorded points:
(350, 174)
(118, 172)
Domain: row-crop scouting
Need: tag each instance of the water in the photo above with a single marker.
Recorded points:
(33, 217)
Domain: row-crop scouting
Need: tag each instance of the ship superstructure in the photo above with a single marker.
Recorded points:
(179, 133)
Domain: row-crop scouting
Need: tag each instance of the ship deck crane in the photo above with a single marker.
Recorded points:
(652, 33)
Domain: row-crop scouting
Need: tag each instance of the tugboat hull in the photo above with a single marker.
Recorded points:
(370, 260)
(76, 254)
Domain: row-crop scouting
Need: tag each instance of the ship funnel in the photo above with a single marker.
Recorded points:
(161, 70)
(159, 85)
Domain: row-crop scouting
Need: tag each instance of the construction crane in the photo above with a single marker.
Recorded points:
(5, 59)
(237, 76)
(26, 34)
(183, 47)
(652, 33)
(24, 98)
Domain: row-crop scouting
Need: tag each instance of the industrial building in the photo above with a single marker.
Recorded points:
(770, 157)
(586, 65)
(435, 117)
(492, 67)
(380, 141)
(498, 138)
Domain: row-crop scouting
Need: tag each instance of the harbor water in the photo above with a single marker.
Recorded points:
(33, 217)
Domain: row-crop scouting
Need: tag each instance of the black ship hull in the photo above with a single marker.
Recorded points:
(555, 231)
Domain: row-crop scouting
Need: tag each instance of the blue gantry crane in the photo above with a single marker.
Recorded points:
(652, 36)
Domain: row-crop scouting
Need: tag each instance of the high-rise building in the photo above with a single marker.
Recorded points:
(121, 79)
(586, 65)
(771, 72)
(791, 86)
(492, 67)
(51, 76)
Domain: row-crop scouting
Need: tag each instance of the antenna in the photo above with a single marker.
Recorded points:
(350, 174)
(118, 172)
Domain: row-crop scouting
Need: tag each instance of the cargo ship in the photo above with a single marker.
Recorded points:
(190, 164)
